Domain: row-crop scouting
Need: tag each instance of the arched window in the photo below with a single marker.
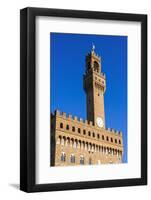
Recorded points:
(96, 66)
(99, 148)
(72, 158)
(61, 125)
(86, 146)
(84, 132)
(67, 127)
(119, 141)
(111, 139)
(79, 130)
(93, 134)
(102, 137)
(73, 128)
(115, 140)
(98, 136)
(107, 138)
(89, 133)
(63, 156)
(82, 160)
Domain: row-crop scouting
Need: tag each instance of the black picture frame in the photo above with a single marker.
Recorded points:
(28, 98)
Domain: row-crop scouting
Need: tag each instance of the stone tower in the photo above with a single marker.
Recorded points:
(94, 86)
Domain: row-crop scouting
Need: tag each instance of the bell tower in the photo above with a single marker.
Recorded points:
(94, 82)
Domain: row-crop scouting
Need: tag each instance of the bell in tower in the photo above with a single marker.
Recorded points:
(94, 86)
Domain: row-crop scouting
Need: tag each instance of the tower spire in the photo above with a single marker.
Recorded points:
(93, 47)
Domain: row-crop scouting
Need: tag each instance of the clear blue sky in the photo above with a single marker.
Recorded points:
(67, 63)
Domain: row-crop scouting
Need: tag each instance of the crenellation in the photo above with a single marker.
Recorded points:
(120, 133)
(108, 129)
(81, 120)
(86, 121)
(90, 123)
(57, 112)
(70, 116)
(64, 114)
(75, 118)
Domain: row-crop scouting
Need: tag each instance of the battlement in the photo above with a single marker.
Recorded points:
(93, 54)
(114, 131)
(83, 122)
(73, 118)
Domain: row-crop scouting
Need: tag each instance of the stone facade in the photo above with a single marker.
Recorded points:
(83, 142)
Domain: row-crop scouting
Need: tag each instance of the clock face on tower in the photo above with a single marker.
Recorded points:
(100, 122)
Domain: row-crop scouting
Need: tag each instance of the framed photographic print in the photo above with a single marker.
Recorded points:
(83, 99)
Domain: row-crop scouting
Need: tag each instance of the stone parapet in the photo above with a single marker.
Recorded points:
(83, 122)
